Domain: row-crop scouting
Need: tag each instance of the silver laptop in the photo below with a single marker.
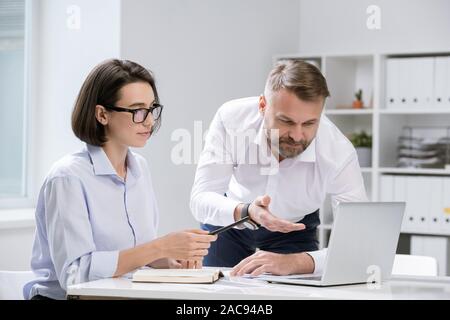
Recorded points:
(362, 245)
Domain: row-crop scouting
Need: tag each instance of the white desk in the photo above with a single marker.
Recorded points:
(251, 289)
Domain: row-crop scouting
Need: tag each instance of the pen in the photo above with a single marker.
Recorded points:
(225, 228)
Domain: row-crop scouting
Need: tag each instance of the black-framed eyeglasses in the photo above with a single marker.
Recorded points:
(139, 115)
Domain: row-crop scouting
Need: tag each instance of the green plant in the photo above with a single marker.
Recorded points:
(361, 140)
(358, 95)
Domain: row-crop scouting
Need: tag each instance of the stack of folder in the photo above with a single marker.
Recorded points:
(419, 153)
(418, 82)
(423, 151)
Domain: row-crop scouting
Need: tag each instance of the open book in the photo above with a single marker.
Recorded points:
(206, 275)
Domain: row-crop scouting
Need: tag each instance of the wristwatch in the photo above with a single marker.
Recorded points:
(248, 222)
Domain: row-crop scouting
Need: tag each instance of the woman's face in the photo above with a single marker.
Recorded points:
(120, 128)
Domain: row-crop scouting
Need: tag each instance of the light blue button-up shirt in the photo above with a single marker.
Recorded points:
(85, 215)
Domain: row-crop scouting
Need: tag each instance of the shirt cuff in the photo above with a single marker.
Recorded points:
(225, 211)
(103, 264)
(319, 257)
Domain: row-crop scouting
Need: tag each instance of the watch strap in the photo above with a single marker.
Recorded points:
(245, 214)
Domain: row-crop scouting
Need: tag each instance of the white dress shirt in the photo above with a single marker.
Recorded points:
(85, 215)
(297, 186)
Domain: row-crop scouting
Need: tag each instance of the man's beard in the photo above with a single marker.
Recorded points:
(289, 148)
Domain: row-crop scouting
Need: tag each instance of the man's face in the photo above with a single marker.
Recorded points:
(296, 120)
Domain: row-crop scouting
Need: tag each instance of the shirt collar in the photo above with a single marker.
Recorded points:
(102, 165)
(309, 155)
(260, 138)
(133, 165)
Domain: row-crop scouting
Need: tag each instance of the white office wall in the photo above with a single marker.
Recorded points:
(328, 26)
(15, 248)
(66, 55)
(203, 53)
(63, 57)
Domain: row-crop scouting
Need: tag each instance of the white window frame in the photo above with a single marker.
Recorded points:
(27, 197)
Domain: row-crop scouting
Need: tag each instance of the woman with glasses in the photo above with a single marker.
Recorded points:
(97, 214)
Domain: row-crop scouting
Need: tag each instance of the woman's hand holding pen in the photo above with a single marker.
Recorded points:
(189, 247)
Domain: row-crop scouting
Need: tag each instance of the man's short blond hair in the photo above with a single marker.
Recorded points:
(299, 77)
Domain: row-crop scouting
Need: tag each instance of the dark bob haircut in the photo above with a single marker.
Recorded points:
(102, 87)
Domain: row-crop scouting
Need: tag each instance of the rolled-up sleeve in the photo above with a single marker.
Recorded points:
(215, 168)
(347, 185)
(318, 257)
(70, 238)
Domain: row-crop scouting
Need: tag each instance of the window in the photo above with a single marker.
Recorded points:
(13, 99)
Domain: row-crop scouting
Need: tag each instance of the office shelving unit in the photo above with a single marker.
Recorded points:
(346, 74)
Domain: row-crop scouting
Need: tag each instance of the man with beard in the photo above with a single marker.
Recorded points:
(272, 160)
